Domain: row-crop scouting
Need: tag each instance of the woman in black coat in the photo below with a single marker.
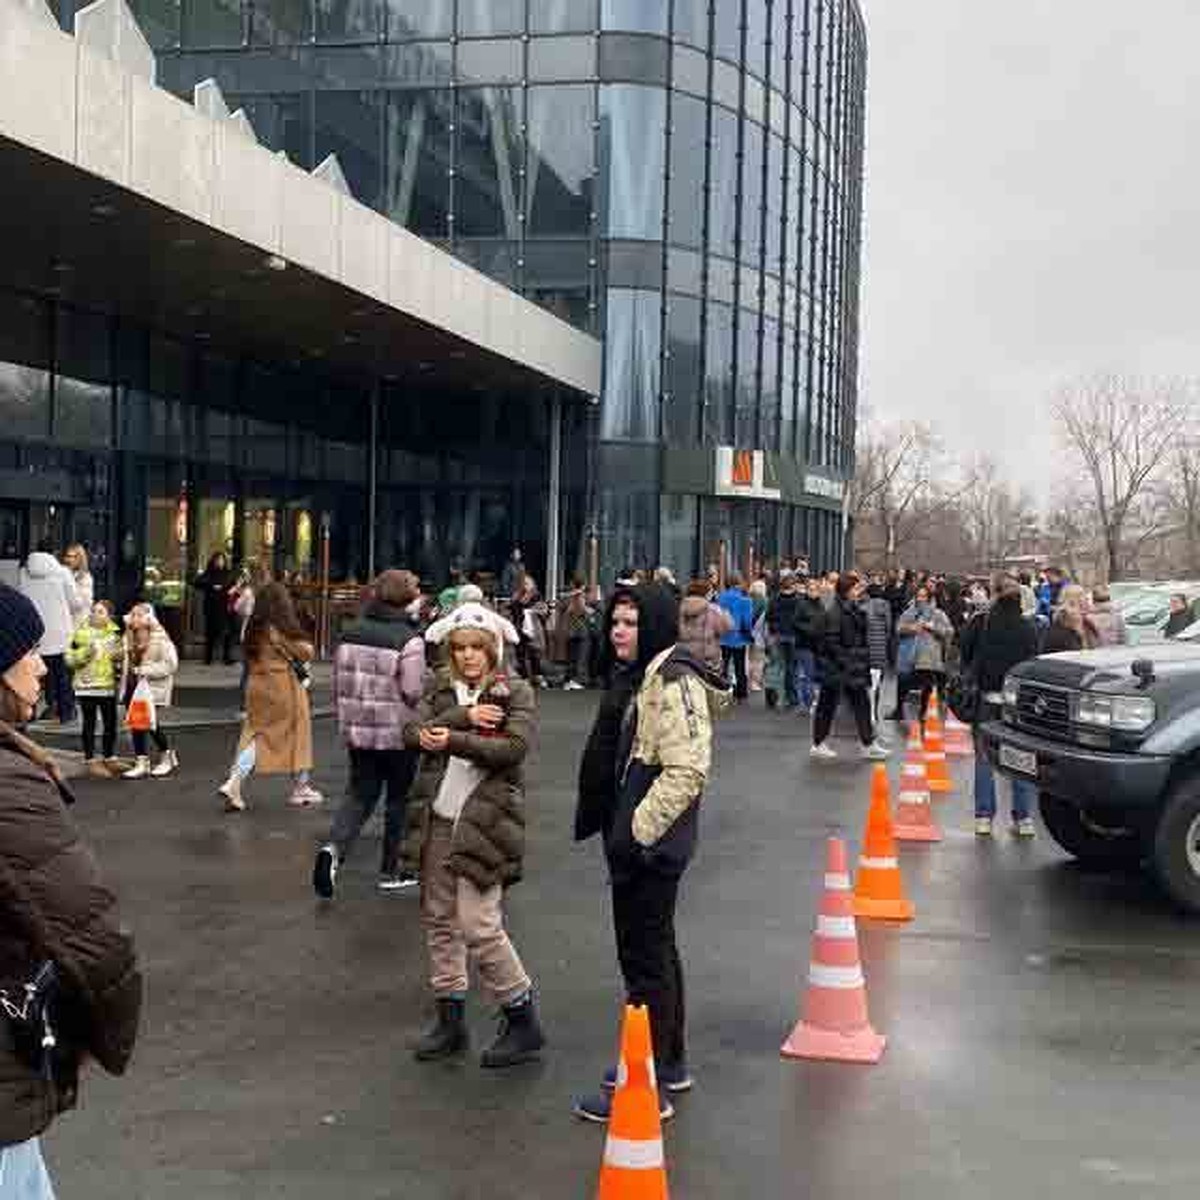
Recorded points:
(845, 664)
(215, 584)
(992, 644)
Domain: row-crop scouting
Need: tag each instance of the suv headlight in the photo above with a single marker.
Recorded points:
(1127, 714)
(1012, 688)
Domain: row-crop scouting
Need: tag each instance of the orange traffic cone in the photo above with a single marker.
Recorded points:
(914, 748)
(959, 741)
(937, 768)
(634, 1166)
(834, 1023)
(914, 811)
(879, 889)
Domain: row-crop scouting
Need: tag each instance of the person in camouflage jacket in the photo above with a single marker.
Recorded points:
(641, 780)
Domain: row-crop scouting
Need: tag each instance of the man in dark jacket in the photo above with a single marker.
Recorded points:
(782, 615)
(378, 675)
(810, 632)
(846, 668)
(56, 910)
(640, 782)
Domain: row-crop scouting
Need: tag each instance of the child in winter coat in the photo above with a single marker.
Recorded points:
(150, 655)
(467, 834)
(95, 657)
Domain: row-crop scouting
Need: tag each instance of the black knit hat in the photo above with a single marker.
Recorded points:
(20, 627)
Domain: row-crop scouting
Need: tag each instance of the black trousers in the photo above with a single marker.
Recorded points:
(106, 708)
(371, 772)
(218, 628)
(737, 656)
(927, 681)
(142, 739)
(60, 696)
(644, 919)
(827, 706)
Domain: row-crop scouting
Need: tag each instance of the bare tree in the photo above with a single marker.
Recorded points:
(896, 471)
(1123, 431)
(996, 516)
(1181, 498)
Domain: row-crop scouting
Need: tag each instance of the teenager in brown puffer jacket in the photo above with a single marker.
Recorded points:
(467, 834)
(53, 907)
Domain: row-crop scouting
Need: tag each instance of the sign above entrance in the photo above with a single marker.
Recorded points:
(746, 474)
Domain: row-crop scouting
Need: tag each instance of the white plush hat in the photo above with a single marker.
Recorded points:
(473, 615)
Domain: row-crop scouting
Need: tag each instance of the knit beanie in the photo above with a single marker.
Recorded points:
(20, 627)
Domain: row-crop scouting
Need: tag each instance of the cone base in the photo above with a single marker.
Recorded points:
(884, 910)
(917, 833)
(862, 1046)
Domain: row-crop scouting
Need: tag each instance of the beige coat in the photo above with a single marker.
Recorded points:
(278, 713)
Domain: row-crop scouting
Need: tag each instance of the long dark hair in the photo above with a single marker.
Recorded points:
(273, 609)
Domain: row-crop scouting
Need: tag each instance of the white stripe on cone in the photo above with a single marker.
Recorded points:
(878, 864)
(837, 883)
(836, 927)
(633, 1156)
(842, 979)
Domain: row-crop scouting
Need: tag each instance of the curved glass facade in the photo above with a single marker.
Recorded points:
(682, 178)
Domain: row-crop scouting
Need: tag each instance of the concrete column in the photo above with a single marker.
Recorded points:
(373, 481)
(554, 502)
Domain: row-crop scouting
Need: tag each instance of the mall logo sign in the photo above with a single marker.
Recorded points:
(746, 474)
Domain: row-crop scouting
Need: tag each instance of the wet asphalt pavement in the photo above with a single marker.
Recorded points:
(1043, 1036)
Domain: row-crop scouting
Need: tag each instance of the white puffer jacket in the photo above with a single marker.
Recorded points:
(49, 585)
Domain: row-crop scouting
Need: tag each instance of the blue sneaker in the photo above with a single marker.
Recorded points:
(670, 1079)
(597, 1108)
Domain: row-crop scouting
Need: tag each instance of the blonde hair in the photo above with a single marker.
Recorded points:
(460, 638)
(78, 547)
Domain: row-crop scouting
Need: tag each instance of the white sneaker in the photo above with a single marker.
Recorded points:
(304, 795)
(876, 751)
(231, 789)
(167, 765)
(572, 685)
(1024, 828)
(139, 770)
(822, 751)
(983, 826)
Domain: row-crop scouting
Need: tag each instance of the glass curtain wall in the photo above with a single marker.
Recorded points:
(680, 177)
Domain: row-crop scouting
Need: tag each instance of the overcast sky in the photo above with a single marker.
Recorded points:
(1033, 209)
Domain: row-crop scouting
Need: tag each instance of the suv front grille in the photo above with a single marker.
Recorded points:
(1043, 710)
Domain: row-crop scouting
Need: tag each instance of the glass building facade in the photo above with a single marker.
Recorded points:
(681, 178)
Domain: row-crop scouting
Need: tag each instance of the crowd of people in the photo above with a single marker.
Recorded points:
(436, 701)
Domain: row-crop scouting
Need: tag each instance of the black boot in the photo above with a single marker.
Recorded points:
(448, 1035)
(520, 1038)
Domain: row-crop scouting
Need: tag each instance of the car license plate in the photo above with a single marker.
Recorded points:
(1024, 762)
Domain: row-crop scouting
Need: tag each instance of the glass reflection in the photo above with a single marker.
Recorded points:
(635, 16)
(687, 170)
(631, 366)
(560, 175)
(718, 376)
(488, 162)
(417, 159)
(632, 158)
(419, 18)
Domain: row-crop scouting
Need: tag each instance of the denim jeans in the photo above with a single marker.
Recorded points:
(806, 676)
(23, 1174)
(1023, 792)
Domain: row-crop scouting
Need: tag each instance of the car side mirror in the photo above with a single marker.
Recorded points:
(1143, 670)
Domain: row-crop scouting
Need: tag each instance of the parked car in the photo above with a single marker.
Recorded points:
(1111, 738)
